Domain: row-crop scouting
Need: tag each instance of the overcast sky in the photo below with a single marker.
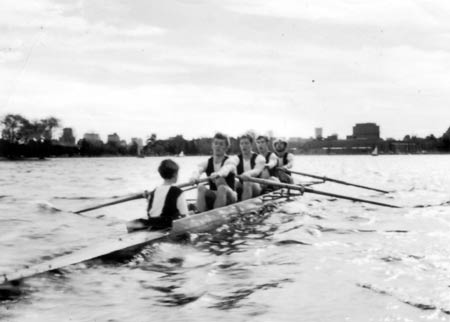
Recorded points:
(193, 67)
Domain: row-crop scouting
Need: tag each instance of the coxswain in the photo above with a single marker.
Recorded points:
(166, 202)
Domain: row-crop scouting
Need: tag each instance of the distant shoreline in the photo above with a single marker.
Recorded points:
(3, 159)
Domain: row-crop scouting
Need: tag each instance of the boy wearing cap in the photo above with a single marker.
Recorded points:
(285, 160)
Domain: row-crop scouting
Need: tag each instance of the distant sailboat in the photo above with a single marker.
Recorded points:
(181, 154)
(375, 152)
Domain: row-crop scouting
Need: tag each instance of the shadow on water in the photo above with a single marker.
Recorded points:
(11, 292)
(171, 290)
(21, 290)
(421, 306)
(445, 203)
(233, 301)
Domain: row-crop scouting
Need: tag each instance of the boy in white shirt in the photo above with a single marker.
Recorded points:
(221, 171)
(248, 164)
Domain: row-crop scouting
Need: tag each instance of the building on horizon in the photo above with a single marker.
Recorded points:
(91, 137)
(113, 139)
(365, 131)
(318, 131)
(137, 141)
(67, 138)
(332, 137)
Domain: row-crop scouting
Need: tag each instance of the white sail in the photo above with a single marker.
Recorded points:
(375, 151)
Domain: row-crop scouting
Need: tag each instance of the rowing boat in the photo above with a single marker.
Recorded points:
(202, 222)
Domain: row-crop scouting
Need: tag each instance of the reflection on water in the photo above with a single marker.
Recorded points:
(313, 259)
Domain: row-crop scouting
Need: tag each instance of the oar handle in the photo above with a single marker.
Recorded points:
(310, 190)
(190, 183)
(136, 196)
(332, 180)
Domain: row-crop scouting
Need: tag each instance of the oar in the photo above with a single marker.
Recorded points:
(310, 190)
(134, 197)
(332, 180)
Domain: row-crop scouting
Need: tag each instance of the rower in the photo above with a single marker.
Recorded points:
(285, 160)
(221, 171)
(269, 171)
(270, 168)
(166, 203)
(248, 164)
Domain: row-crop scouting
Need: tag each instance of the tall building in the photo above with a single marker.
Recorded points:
(67, 137)
(319, 133)
(138, 141)
(366, 131)
(91, 137)
(114, 139)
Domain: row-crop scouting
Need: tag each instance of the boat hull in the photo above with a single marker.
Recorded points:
(210, 220)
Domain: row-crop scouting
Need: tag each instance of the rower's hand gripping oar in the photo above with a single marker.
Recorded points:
(331, 180)
(310, 190)
(135, 196)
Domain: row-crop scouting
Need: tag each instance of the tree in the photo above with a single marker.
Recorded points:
(445, 141)
(16, 127)
(150, 144)
(13, 127)
(133, 148)
(47, 125)
(177, 144)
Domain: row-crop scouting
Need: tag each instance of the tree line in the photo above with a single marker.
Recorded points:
(22, 138)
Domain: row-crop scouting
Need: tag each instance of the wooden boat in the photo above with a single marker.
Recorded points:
(202, 222)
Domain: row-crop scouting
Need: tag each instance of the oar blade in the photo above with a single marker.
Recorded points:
(310, 190)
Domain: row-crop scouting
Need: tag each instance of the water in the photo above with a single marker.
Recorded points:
(313, 259)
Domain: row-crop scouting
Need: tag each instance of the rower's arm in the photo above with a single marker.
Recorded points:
(290, 159)
(182, 205)
(273, 161)
(229, 166)
(201, 168)
(260, 162)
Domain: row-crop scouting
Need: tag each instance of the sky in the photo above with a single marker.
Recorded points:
(194, 67)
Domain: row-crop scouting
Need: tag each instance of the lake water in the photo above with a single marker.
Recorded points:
(313, 259)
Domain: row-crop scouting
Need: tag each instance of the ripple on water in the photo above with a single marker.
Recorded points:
(308, 259)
